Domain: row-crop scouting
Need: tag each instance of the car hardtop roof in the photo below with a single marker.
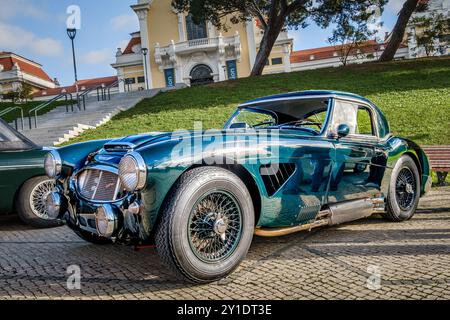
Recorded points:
(306, 94)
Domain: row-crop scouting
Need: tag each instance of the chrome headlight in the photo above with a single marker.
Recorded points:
(133, 172)
(53, 164)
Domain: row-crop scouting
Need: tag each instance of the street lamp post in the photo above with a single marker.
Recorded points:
(72, 33)
(145, 52)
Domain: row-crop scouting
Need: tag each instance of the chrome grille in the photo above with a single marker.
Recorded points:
(98, 185)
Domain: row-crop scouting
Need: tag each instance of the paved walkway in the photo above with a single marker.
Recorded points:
(369, 259)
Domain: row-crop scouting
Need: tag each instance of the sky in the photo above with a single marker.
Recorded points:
(36, 29)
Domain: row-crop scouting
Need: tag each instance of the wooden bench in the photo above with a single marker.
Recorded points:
(439, 160)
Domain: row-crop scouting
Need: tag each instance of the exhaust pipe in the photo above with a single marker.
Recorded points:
(335, 214)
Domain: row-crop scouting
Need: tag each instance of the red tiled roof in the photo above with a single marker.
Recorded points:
(8, 59)
(329, 52)
(97, 81)
(135, 40)
(82, 85)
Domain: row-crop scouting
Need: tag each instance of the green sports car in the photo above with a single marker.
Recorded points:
(281, 164)
(23, 183)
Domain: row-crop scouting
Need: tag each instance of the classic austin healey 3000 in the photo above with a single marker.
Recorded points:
(281, 164)
(24, 186)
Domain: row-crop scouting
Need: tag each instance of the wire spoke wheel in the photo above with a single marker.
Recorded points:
(38, 198)
(405, 189)
(215, 226)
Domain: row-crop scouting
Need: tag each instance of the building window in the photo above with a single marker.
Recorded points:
(141, 79)
(169, 75)
(267, 62)
(276, 61)
(195, 31)
(232, 69)
(130, 80)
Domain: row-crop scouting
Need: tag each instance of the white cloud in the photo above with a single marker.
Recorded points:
(126, 22)
(13, 8)
(102, 56)
(13, 38)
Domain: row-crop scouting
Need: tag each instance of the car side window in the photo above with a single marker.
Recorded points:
(364, 122)
(344, 113)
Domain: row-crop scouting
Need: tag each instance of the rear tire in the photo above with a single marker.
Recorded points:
(404, 191)
(206, 225)
(31, 202)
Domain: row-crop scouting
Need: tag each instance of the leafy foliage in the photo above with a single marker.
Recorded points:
(352, 24)
(433, 33)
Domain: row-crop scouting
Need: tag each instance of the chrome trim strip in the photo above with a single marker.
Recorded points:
(22, 166)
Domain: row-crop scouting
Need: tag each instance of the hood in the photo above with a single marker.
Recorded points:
(134, 142)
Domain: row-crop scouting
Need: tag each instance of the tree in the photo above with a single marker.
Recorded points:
(356, 22)
(12, 95)
(432, 33)
(274, 16)
(26, 92)
(398, 33)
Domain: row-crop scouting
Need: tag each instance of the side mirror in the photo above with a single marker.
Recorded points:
(343, 130)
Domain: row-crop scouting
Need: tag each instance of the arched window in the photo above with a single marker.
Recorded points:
(195, 31)
(201, 74)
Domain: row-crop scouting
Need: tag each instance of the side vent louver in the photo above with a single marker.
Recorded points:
(274, 176)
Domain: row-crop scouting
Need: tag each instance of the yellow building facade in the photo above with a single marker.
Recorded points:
(170, 49)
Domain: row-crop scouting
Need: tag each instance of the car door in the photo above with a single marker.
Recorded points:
(359, 161)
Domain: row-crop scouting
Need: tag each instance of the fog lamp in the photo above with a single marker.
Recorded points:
(106, 221)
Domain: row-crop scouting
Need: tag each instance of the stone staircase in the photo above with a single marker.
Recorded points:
(58, 126)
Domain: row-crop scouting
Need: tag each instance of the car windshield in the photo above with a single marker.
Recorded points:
(303, 114)
(12, 140)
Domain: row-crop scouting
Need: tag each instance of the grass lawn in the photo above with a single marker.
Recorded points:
(414, 95)
(26, 107)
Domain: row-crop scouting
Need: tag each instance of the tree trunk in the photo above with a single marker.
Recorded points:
(265, 48)
(399, 30)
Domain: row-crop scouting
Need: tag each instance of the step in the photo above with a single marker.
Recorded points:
(58, 126)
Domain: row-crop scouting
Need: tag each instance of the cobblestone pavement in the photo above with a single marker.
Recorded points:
(412, 259)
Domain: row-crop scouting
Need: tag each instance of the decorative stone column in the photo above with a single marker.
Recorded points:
(121, 78)
(287, 58)
(211, 30)
(142, 9)
(221, 60)
(181, 27)
(251, 42)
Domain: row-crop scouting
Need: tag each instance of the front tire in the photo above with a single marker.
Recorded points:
(206, 225)
(404, 190)
(31, 202)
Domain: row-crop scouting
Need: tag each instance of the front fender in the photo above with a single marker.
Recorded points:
(74, 156)
(164, 169)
